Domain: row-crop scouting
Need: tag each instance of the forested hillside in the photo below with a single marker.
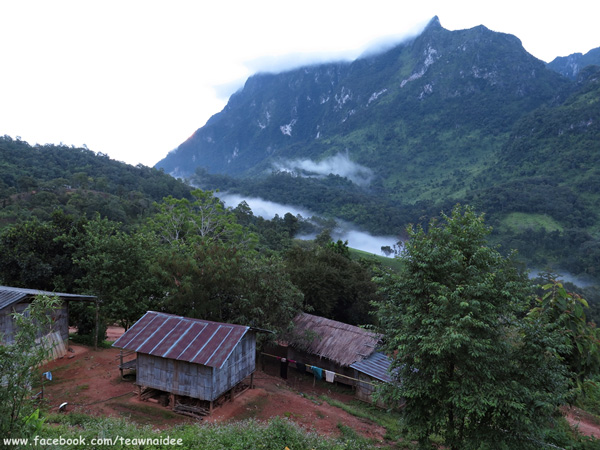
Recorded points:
(73, 220)
(192, 256)
(34, 180)
(449, 117)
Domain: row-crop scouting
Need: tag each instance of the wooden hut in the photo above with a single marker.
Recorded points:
(330, 345)
(18, 299)
(370, 372)
(187, 357)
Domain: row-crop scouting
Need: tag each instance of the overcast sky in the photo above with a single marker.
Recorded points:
(134, 79)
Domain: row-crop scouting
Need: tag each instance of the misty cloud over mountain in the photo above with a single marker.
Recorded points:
(339, 164)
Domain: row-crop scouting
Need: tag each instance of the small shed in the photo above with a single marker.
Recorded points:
(369, 372)
(189, 357)
(14, 299)
(330, 345)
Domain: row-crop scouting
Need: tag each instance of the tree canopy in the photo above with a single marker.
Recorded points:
(470, 365)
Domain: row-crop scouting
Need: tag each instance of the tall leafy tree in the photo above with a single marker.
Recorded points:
(36, 254)
(469, 365)
(269, 299)
(581, 340)
(210, 269)
(183, 223)
(334, 286)
(116, 267)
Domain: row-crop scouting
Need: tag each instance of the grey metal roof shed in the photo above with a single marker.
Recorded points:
(13, 299)
(369, 372)
(190, 357)
(376, 366)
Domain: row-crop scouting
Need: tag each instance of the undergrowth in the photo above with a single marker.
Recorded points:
(276, 434)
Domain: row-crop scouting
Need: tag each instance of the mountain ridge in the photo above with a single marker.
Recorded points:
(571, 65)
(334, 92)
(449, 116)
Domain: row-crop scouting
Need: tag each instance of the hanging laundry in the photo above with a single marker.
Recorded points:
(329, 376)
(283, 368)
(318, 372)
(301, 367)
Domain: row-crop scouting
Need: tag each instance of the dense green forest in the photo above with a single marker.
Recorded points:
(36, 179)
(75, 221)
(186, 253)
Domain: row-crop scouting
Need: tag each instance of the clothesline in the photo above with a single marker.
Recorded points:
(308, 366)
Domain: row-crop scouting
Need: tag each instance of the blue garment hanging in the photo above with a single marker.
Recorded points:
(318, 372)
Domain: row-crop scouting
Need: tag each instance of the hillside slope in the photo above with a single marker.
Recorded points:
(392, 138)
(445, 98)
(34, 180)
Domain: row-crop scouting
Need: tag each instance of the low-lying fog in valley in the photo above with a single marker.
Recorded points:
(358, 239)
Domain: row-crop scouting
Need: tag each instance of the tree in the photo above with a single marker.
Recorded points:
(116, 266)
(269, 300)
(37, 254)
(19, 362)
(581, 340)
(182, 223)
(334, 286)
(468, 363)
(210, 269)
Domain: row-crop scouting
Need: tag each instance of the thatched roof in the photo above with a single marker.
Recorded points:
(339, 342)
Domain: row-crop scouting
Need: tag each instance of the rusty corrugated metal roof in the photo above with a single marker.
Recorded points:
(10, 295)
(376, 365)
(182, 338)
(339, 342)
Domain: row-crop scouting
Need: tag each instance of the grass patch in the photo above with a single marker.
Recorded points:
(145, 414)
(88, 341)
(518, 221)
(393, 263)
(389, 420)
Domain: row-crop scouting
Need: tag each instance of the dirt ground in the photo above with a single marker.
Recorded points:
(90, 382)
(582, 421)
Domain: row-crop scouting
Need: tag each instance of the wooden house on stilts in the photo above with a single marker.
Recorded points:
(190, 358)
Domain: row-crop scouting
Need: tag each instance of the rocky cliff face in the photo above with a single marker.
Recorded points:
(380, 109)
(571, 65)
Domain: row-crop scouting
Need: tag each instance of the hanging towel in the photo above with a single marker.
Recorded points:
(301, 367)
(329, 376)
(318, 372)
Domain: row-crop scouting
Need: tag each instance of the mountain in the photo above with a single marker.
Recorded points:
(395, 137)
(438, 91)
(571, 65)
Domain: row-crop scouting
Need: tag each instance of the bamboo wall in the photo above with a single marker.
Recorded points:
(364, 391)
(59, 325)
(196, 380)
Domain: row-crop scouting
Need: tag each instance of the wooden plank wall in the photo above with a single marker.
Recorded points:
(195, 380)
(240, 364)
(57, 334)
